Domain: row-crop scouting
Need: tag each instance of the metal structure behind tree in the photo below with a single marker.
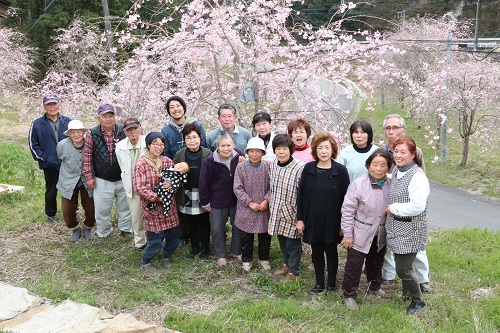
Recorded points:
(442, 156)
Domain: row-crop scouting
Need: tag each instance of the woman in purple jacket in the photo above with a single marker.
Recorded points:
(217, 196)
(363, 224)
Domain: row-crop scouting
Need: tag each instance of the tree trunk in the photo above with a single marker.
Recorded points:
(465, 151)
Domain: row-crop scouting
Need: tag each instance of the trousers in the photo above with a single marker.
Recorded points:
(105, 193)
(69, 208)
(420, 265)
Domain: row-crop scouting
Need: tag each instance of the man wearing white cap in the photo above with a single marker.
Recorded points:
(128, 151)
(72, 183)
(45, 132)
(103, 173)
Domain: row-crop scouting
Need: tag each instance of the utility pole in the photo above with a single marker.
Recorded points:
(109, 36)
(476, 26)
(442, 156)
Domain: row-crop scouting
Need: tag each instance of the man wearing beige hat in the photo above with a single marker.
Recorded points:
(103, 173)
(128, 151)
(72, 183)
(45, 132)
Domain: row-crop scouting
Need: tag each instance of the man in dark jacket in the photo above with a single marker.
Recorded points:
(103, 173)
(176, 108)
(45, 132)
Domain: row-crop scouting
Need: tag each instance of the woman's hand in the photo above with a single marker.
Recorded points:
(347, 242)
(264, 205)
(300, 227)
(167, 186)
(241, 159)
(254, 206)
(388, 211)
(207, 209)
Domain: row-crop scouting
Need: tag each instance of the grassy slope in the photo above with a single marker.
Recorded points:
(198, 297)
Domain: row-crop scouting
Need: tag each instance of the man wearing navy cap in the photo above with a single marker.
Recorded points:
(45, 132)
(103, 173)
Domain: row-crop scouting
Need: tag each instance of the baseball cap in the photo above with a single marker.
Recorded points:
(131, 122)
(105, 108)
(50, 98)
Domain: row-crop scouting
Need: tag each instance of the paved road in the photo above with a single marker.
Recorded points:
(454, 208)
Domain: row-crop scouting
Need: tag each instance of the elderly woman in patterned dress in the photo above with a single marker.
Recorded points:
(406, 224)
(251, 187)
(284, 176)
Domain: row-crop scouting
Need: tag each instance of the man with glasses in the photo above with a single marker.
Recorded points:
(103, 173)
(395, 129)
(45, 132)
(128, 151)
(227, 118)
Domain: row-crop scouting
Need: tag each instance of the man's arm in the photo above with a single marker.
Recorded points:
(88, 166)
(35, 147)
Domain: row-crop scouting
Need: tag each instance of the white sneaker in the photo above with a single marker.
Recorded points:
(351, 303)
(265, 265)
(247, 266)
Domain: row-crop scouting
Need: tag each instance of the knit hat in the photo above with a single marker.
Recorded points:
(256, 143)
(178, 99)
(154, 135)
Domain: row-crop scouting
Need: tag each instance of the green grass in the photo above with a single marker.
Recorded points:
(197, 296)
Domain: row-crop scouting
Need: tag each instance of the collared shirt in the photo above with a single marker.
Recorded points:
(134, 152)
(88, 157)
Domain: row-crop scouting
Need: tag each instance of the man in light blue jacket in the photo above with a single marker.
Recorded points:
(128, 151)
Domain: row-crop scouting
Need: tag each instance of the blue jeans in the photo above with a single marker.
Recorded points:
(155, 243)
(291, 248)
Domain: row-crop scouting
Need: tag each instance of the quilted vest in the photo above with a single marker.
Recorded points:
(105, 168)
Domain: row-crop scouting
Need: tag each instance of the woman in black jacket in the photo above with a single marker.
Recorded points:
(322, 188)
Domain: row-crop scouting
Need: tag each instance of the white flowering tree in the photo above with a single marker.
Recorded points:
(246, 53)
(17, 57)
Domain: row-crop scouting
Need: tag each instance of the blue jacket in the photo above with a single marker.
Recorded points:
(43, 142)
(173, 137)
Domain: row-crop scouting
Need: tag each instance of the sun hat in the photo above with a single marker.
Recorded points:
(75, 125)
(256, 143)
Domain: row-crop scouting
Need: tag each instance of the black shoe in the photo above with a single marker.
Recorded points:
(140, 248)
(205, 255)
(426, 287)
(318, 288)
(331, 289)
(51, 219)
(193, 253)
(126, 234)
(415, 307)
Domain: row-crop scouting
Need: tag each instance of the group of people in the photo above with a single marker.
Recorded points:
(181, 182)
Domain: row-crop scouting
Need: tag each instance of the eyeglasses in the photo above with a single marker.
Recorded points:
(226, 116)
(158, 145)
(189, 138)
(394, 128)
